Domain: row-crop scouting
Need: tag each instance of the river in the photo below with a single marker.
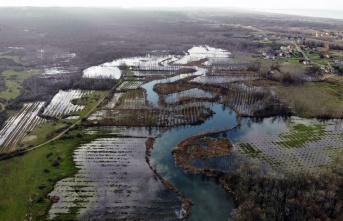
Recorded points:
(211, 200)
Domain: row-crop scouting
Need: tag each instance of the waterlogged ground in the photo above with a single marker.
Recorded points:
(114, 182)
(194, 93)
(62, 103)
(285, 144)
(16, 127)
(304, 144)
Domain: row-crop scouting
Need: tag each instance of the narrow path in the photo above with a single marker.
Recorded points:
(71, 126)
(300, 50)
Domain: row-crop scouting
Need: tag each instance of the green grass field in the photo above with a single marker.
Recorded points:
(16, 59)
(89, 101)
(14, 83)
(42, 133)
(296, 61)
(50, 129)
(313, 99)
(25, 173)
(300, 135)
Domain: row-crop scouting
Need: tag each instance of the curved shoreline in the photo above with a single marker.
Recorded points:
(186, 203)
(210, 173)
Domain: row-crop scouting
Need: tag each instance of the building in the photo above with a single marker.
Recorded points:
(270, 56)
(307, 62)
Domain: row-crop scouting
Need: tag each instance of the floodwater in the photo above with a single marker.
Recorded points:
(211, 200)
(118, 177)
(115, 182)
(194, 93)
(152, 96)
(280, 146)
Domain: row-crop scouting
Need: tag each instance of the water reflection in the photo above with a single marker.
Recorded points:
(115, 182)
(211, 201)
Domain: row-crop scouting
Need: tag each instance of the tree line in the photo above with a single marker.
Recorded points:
(264, 195)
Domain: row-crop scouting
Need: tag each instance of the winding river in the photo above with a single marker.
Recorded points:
(211, 200)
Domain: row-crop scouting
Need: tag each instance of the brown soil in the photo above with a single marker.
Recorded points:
(191, 149)
(151, 118)
(178, 86)
(261, 83)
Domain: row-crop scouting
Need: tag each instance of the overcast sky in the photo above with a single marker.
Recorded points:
(250, 4)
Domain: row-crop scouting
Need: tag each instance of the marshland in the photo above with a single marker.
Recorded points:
(115, 114)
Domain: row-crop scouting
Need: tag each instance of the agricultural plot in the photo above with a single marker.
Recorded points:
(129, 85)
(183, 114)
(133, 99)
(293, 145)
(203, 52)
(114, 182)
(143, 61)
(152, 73)
(171, 59)
(124, 131)
(114, 101)
(60, 70)
(170, 115)
(251, 100)
(313, 99)
(19, 125)
(222, 79)
(191, 93)
(146, 63)
(156, 68)
(62, 103)
(99, 115)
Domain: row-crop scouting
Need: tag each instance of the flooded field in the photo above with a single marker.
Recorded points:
(292, 144)
(16, 127)
(120, 171)
(191, 93)
(203, 52)
(114, 182)
(62, 103)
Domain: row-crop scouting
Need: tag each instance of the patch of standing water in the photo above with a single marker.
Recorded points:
(72, 117)
(201, 52)
(102, 71)
(288, 144)
(111, 70)
(195, 92)
(114, 182)
(152, 96)
(54, 71)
